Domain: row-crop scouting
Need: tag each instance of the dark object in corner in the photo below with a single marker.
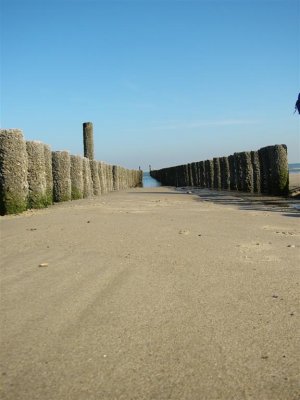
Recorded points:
(297, 105)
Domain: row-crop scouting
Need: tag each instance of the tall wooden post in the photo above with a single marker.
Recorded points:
(88, 140)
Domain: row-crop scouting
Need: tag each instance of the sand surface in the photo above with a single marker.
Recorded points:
(151, 294)
(294, 180)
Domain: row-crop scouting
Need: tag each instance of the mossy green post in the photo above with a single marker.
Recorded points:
(36, 178)
(265, 170)
(13, 185)
(61, 169)
(274, 169)
(76, 177)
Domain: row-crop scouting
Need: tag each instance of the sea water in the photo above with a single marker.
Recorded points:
(148, 181)
(294, 168)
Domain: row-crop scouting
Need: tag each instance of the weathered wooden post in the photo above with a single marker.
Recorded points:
(122, 178)
(209, 171)
(49, 177)
(110, 174)
(171, 180)
(162, 176)
(106, 177)
(202, 174)
(126, 178)
(244, 171)
(175, 175)
(102, 177)
(36, 178)
(280, 169)
(274, 169)
(265, 170)
(239, 171)
(233, 172)
(180, 175)
(247, 172)
(217, 173)
(116, 177)
(198, 173)
(88, 140)
(87, 179)
(13, 186)
(95, 177)
(166, 176)
(190, 175)
(76, 177)
(61, 170)
(225, 173)
(195, 179)
(256, 171)
(140, 179)
(186, 175)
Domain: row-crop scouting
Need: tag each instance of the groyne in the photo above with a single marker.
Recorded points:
(263, 171)
(33, 176)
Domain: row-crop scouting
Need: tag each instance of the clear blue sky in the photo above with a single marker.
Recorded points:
(164, 82)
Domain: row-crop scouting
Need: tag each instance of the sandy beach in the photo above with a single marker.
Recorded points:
(151, 293)
(294, 182)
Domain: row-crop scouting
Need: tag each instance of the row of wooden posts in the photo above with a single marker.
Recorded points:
(262, 171)
(33, 176)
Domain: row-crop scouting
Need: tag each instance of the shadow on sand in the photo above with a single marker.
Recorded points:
(244, 201)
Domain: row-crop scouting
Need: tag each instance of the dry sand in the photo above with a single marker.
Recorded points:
(151, 294)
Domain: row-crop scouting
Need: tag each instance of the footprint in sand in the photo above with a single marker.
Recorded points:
(281, 231)
(257, 252)
(286, 233)
(184, 232)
